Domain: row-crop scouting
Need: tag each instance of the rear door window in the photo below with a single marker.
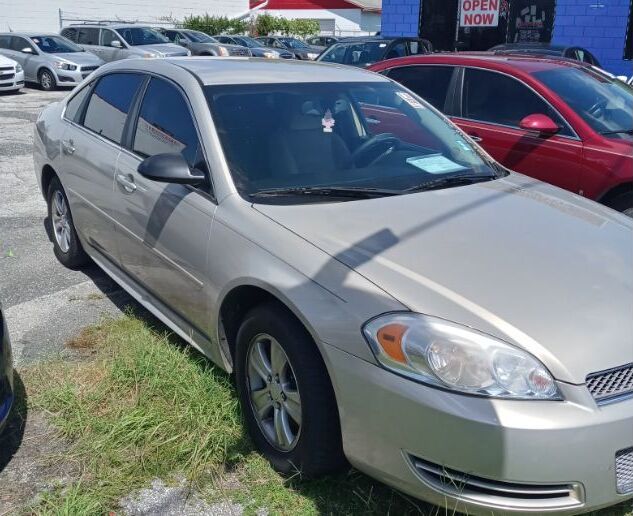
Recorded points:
(70, 33)
(498, 99)
(429, 82)
(5, 42)
(335, 54)
(88, 36)
(110, 103)
(18, 44)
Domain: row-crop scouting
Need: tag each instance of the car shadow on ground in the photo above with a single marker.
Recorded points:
(11, 438)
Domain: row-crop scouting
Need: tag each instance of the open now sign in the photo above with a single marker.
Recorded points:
(479, 13)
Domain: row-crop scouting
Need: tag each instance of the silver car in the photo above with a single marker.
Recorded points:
(114, 41)
(383, 291)
(201, 44)
(48, 59)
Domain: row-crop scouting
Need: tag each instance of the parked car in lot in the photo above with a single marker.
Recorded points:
(48, 59)
(560, 122)
(11, 73)
(366, 51)
(548, 50)
(201, 44)
(298, 48)
(382, 289)
(321, 41)
(255, 47)
(114, 41)
(6, 373)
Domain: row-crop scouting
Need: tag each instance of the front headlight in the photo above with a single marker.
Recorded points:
(65, 66)
(455, 357)
(224, 51)
(147, 55)
(18, 68)
(312, 56)
(271, 55)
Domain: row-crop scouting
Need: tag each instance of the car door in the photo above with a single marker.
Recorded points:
(111, 46)
(88, 38)
(30, 61)
(95, 119)
(492, 107)
(164, 228)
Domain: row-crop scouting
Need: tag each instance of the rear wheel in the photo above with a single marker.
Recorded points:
(66, 244)
(623, 203)
(287, 399)
(46, 80)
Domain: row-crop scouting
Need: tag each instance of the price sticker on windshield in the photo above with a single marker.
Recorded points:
(409, 99)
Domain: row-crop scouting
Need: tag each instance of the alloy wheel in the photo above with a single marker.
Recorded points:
(273, 392)
(46, 81)
(61, 221)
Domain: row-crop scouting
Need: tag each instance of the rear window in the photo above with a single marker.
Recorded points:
(430, 82)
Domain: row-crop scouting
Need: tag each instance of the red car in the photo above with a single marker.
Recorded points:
(558, 121)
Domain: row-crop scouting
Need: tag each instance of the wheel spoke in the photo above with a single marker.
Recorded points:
(282, 428)
(259, 361)
(278, 358)
(261, 401)
(293, 405)
(59, 204)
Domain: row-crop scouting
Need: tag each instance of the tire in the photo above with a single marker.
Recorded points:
(317, 448)
(623, 203)
(66, 244)
(46, 80)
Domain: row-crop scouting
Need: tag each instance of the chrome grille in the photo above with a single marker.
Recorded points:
(624, 471)
(6, 68)
(6, 76)
(608, 385)
(88, 68)
(239, 52)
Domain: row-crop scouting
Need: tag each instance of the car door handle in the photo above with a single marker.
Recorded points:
(68, 147)
(476, 138)
(127, 183)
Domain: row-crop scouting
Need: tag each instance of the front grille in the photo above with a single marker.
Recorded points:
(6, 76)
(239, 52)
(6, 68)
(529, 497)
(88, 68)
(287, 56)
(624, 471)
(609, 385)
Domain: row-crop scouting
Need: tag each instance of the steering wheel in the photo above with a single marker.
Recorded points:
(597, 107)
(389, 140)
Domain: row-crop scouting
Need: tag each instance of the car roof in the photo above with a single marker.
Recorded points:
(371, 39)
(530, 46)
(109, 25)
(248, 70)
(29, 34)
(498, 61)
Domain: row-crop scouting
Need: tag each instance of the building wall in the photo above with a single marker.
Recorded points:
(42, 15)
(598, 26)
(400, 17)
(347, 21)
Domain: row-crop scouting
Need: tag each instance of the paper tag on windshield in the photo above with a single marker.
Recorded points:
(409, 100)
(435, 164)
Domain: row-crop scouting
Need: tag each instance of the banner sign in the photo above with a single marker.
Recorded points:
(479, 13)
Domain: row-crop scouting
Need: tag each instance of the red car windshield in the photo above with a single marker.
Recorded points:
(605, 104)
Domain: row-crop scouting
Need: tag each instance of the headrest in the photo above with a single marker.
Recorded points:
(309, 117)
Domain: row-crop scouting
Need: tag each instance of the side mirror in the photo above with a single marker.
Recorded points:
(116, 43)
(27, 50)
(539, 123)
(170, 168)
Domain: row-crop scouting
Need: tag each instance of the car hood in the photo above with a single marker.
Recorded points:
(529, 263)
(5, 61)
(164, 49)
(80, 58)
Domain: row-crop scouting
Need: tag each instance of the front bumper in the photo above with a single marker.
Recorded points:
(13, 82)
(478, 455)
(6, 374)
(73, 77)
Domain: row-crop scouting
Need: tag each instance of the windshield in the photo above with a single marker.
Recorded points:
(359, 54)
(293, 43)
(247, 42)
(368, 135)
(199, 37)
(55, 45)
(136, 36)
(605, 104)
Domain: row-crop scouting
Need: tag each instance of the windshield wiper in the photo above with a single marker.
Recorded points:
(325, 191)
(619, 131)
(446, 182)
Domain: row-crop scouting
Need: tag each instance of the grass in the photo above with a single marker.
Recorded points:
(140, 406)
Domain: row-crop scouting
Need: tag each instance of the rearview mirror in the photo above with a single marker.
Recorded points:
(27, 50)
(170, 168)
(116, 43)
(539, 123)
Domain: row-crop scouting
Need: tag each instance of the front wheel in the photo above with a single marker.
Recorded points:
(47, 80)
(66, 244)
(287, 399)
